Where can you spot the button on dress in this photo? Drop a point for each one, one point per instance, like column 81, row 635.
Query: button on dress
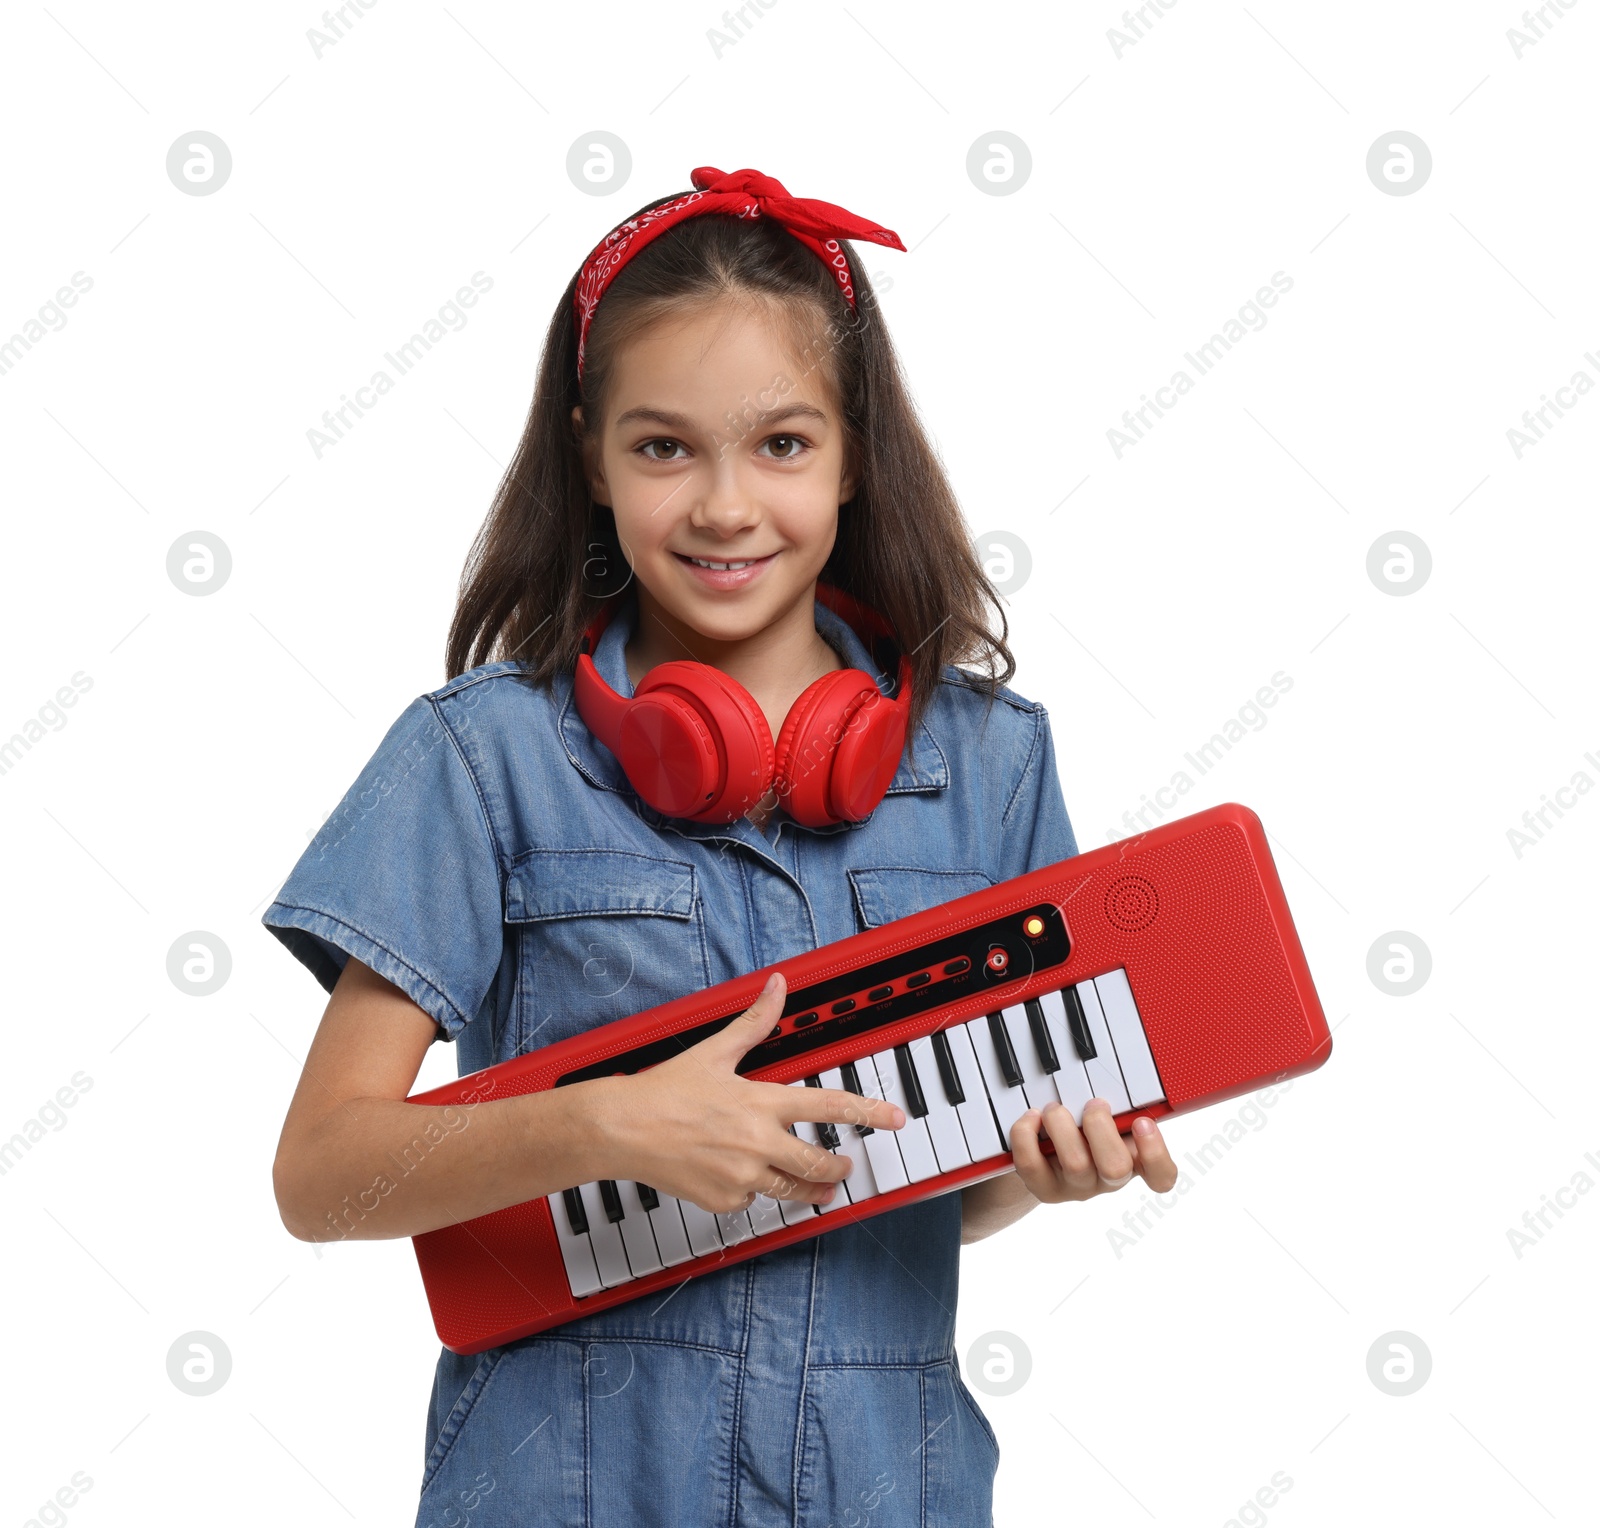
column 492, row 861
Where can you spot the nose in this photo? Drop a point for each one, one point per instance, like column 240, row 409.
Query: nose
column 724, row 506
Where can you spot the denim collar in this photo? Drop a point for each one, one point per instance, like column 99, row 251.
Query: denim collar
column 923, row 767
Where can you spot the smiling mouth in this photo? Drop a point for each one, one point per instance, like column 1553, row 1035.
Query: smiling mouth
column 723, row 567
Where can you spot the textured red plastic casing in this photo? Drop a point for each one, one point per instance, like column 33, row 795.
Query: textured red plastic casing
column 1193, row 910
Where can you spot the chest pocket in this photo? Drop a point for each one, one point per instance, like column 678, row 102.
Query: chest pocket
column 886, row 892
column 601, row 934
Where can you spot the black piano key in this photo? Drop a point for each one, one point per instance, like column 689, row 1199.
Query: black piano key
column 611, row 1199
column 825, row 1132
column 1077, row 1024
column 1003, row 1051
column 648, row 1197
column 953, row 1091
column 916, row 1104
column 1042, row 1043
column 575, row 1216
column 852, row 1084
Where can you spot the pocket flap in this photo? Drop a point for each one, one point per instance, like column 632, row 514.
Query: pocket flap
column 577, row 883
column 886, row 892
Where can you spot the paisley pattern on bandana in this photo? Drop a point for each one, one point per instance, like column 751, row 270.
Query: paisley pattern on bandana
column 745, row 194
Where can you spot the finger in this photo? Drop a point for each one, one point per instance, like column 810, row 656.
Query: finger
column 809, row 1163
column 756, row 1022
column 806, row 1171
column 834, row 1106
column 1112, row 1159
column 1074, row 1161
column 1153, row 1160
column 785, row 1185
column 1039, row 1176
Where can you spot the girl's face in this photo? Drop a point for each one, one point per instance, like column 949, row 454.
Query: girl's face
column 723, row 460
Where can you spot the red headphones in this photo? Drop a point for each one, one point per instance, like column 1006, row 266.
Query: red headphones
column 694, row 743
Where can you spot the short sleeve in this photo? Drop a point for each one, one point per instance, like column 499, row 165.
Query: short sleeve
column 403, row 875
column 1035, row 830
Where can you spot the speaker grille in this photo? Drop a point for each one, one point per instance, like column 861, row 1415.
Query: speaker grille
column 1132, row 904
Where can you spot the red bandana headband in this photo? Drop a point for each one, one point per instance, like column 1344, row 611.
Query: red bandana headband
column 746, row 194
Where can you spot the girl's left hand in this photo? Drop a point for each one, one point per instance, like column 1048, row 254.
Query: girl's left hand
column 1093, row 1160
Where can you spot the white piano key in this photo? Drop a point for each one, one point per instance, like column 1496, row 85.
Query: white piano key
column 733, row 1226
column 797, row 1211
column 701, row 1227
column 883, row 1150
column 1010, row 1104
column 576, row 1255
column 638, row 1237
column 766, row 1214
column 1072, row 1082
column 977, row 1118
column 944, row 1126
column 610, row 1258
column 1105, row 1076
column 916, row 1146
column 1128, row 1036
column 860, row 1184
column 672, row 1237
column 1038, row 1084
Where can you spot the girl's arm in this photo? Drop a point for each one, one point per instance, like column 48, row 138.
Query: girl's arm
column 1093, row 1160
column 356, row 1160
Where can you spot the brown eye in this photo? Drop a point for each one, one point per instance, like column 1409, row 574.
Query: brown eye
column 784, row 445
column 661, row 450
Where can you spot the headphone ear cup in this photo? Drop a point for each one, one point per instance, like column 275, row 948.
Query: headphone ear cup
column 807, row 754
column 869, row 754
column 738, row 731
column 668, row 753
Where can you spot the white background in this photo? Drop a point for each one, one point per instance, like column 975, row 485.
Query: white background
column 1171, row 177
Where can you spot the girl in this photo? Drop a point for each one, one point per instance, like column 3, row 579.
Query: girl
column 720, row 453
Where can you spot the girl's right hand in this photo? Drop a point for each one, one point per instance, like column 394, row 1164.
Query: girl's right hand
column 693, row 1128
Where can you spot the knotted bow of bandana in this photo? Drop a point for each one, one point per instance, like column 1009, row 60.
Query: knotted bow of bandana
column 746, row 194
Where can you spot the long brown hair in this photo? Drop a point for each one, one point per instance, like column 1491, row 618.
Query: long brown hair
column 547, row 558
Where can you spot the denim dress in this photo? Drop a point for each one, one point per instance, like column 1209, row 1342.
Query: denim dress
column 493, row 862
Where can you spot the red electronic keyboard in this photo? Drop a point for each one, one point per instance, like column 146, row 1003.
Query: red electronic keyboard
column 1161, row 973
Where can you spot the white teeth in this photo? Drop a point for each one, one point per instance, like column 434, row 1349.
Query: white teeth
column 721, row 567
